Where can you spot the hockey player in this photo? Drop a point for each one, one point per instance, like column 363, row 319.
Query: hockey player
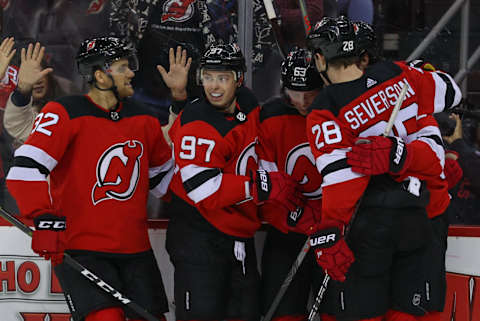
column 216, row 190
column 365, row 158
column 391, row 230
column 103, row 153
column 283, row 145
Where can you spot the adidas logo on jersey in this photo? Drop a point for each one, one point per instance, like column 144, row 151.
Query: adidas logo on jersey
column 371, row 82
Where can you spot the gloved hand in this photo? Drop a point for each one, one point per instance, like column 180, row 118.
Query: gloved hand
column 46, row 240
column 278, row 188
column 379, row 155
column 331, row 250
column 453, row 172
column 305, row 221
column 420, row 63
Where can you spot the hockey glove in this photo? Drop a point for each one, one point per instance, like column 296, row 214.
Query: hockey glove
column 46, row 237
column 379, row 155
column 421, row 64
column 331, row 250
column 305, row 221
column 453, row 172
column 277, row 188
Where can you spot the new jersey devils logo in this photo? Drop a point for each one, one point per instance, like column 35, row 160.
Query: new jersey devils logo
column 118, row 171
column 178, row 10
column 96, row 6
column 300, row 164
column 247, row 161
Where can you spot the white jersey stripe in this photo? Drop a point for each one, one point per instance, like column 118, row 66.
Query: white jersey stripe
column 204, row 190
column 37, row 155
column 337, row 154
column 440, row 93
column 26, row 174
column 340, row 176
column 268, row 166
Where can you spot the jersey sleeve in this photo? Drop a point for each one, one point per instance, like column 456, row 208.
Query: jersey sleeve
column 437, row 90
column 428, row 154
column 201, row 155
column 329, row 142
column 161, row 165
column 34, row 160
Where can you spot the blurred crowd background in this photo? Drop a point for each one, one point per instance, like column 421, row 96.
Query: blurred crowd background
column 153, row 26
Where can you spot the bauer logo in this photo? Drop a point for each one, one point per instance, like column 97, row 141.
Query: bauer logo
column 118, row 172
column 323, row 239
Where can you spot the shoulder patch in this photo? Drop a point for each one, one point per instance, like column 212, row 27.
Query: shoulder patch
column 200, row 110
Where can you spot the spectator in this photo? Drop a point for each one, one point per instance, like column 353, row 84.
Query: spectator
column 356, row 10
column 155, row 27
column 35, row 87
column 465, row 203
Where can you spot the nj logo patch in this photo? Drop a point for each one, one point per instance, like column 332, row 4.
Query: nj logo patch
column 118, row 171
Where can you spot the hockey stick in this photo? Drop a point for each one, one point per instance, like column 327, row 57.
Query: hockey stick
column 388, row 129
column 85, row 272
column 288, row 279
column 275, row 22
column 306, row 21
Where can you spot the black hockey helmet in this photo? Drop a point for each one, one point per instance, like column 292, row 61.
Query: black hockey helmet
column 224, row 57
column 298, row 73
column 333, row 38
column 367, row 41
column 100, row 53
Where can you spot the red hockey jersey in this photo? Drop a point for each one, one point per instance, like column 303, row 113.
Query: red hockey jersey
column 214, row 156
column 101, row 166
column 342, row 112
column 283, row 146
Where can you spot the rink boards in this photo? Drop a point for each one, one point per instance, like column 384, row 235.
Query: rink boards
column 29, row 290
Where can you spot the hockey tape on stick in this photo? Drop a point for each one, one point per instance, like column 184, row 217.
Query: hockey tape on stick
column 306, row 21
column 288, row 279
column 84, row 271
column 275, row 23
column 395, row 110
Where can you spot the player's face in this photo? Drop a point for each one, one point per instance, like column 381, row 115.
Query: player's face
column 220, row 87
column 122, row 76
column 40, row 89
column 301, row 100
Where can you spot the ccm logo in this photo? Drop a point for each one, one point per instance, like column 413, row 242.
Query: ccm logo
column 399, row 151
column 263, row 180
column 51, row 225
column 324, row 239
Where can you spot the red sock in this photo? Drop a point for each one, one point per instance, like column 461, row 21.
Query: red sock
column 291, row 318
column 394, row 315
column 109, row 314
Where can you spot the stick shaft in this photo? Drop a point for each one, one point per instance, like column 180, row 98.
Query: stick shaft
column 288, row 279
column 85, row 272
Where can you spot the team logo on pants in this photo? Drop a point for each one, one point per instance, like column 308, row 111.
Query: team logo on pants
column 118, row 171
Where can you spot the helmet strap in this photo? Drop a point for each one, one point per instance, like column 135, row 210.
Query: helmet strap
column 113, row 87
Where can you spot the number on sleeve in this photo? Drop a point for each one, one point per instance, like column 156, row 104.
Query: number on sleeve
column 40, row 126
column 331, row 133
column 188, row 147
